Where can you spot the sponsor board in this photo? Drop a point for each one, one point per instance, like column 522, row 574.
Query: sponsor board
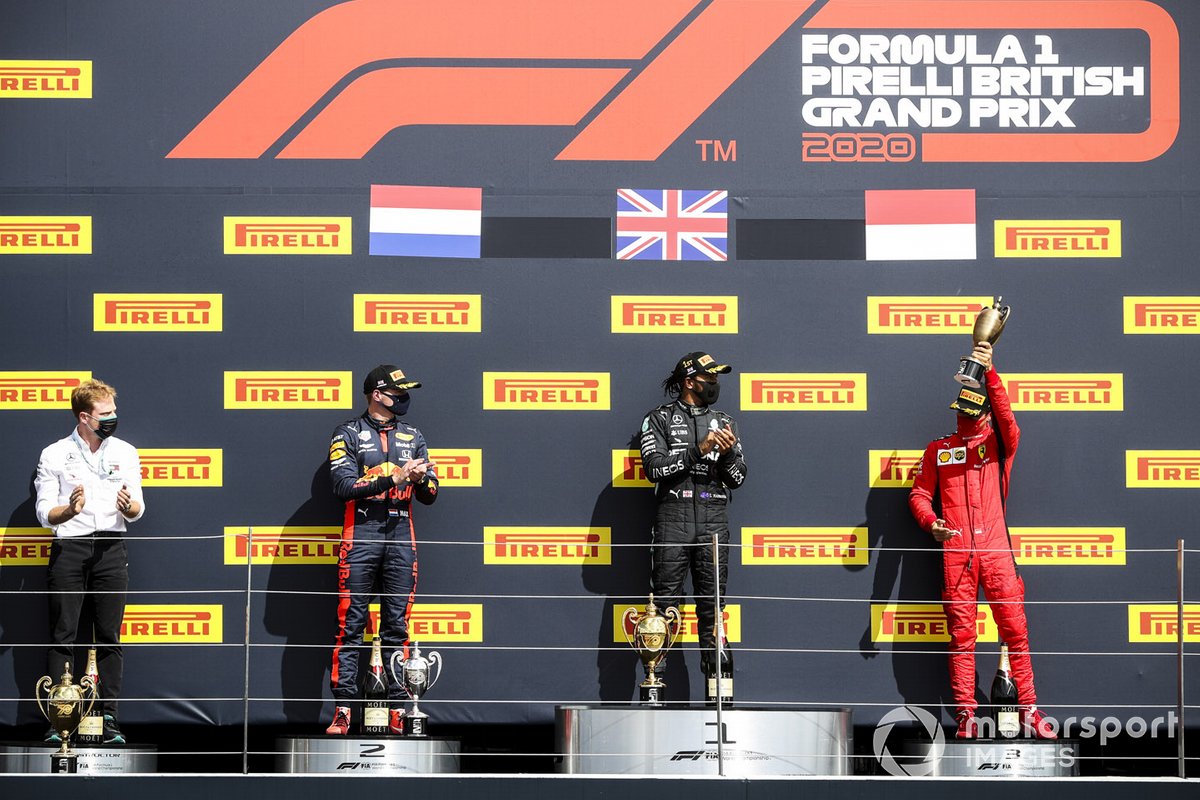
column 418, row 313
column 436, row 622
column 1077, row 547
column 25, row 547
column 287, row 236
column 1160, row 623
column 923, row 622
column 157, row 312
column 36, row 390
column 195, row 467
column 804, row 391
column 46, row 236
column 546, row 391
column 284, row 389
column 46, row 79
column 924, row 315
column 171, row 624
column 672, row 314
column 1058, row 238
column 282, row 544
column 690, row 626
column 547, row 545
column 1162, row 315
column 628, row 472
column 1162, row 469
column 1066, row 391
column 892, row 469
column 458, row 466
column 810, row 545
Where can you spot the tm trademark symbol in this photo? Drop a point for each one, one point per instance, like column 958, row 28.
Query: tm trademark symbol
column 721, row 151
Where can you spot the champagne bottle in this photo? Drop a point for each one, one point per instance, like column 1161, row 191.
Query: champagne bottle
column 1004, row 699
column 375, row 693
column 91, row 727
column 722, row 675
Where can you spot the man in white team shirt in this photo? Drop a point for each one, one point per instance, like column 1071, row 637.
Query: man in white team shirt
column 89, row 485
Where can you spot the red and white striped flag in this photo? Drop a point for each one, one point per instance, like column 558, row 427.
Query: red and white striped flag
column 920, row 225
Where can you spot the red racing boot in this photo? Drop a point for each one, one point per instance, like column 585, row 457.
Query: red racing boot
column 341, row 722
column 1035, row 724
column 968, row 725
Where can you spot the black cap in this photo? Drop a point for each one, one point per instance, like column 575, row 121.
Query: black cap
column 388, row 376
column 697, row 362
column 971, row 402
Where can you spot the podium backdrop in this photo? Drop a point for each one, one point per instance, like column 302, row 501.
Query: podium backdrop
column 231, row 211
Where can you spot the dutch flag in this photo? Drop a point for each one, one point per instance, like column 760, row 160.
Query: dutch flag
column 434, row 221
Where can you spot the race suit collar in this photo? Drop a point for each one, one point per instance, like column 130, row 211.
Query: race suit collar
column 972, row 427
column 695, row 411
column 377, row 425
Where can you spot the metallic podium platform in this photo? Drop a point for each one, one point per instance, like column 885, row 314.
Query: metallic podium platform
column 994, row 758
column 630, row 740
column 102, row 759
column 380, row 755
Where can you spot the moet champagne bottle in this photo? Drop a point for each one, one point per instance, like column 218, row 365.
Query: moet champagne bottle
column 375, row 694
column 91, row 727
column 1004, row 699
column 722, row 674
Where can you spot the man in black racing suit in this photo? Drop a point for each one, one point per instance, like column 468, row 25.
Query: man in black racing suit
column 378, row 464
column 692, row 454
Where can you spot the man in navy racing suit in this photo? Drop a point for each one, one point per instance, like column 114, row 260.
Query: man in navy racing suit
column 377, row 463
column 691, row 453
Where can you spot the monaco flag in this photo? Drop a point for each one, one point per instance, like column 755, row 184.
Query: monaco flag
column 920, row 225
column 437, row 221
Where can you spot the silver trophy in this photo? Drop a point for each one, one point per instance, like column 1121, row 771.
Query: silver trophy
column 414, row 677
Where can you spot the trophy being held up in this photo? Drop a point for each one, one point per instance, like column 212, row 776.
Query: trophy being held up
column 414, row 677
column 652, row 636
column 988, row 327
column 65, row 705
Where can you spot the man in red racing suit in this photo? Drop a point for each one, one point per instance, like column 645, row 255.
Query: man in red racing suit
column 968, row 473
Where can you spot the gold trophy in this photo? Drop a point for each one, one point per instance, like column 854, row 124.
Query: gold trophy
column 64, row 707
column 988, row 327
column 652, row 637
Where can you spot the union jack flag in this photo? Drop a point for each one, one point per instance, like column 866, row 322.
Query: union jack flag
column 672, row 224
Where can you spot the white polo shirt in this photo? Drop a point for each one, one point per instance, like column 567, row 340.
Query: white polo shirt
column 69, row 463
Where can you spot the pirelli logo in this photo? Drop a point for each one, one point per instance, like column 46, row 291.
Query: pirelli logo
column 51, row 80
column 32, row 390
column 892, row 469
column 547, row 545
column 1162, row 469
column 1058, row 238
column 418, row 313
column 1066, row 392
column 924, row 314
column 274, row 544
column 813, row 391
column 181, row 467
column 1073, row 547
column 1162, row 315
column 546, row 391
column 171, row 624
column 156, row 312
column 288, row 390
column 816, row 546
column 458, row 467
column 436, row 622
column 25, row 547
column 46, row 236
column 923, row 622
column 669, row 314
column 689, row 625
column 287, row 236
column 1160, row 623
column 628, row 472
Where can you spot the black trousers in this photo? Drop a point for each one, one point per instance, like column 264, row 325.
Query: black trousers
column 89, row 569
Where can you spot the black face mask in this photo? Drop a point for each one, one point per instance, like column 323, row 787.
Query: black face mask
column 107, row 426
column 399, row 404
column 707, row 392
